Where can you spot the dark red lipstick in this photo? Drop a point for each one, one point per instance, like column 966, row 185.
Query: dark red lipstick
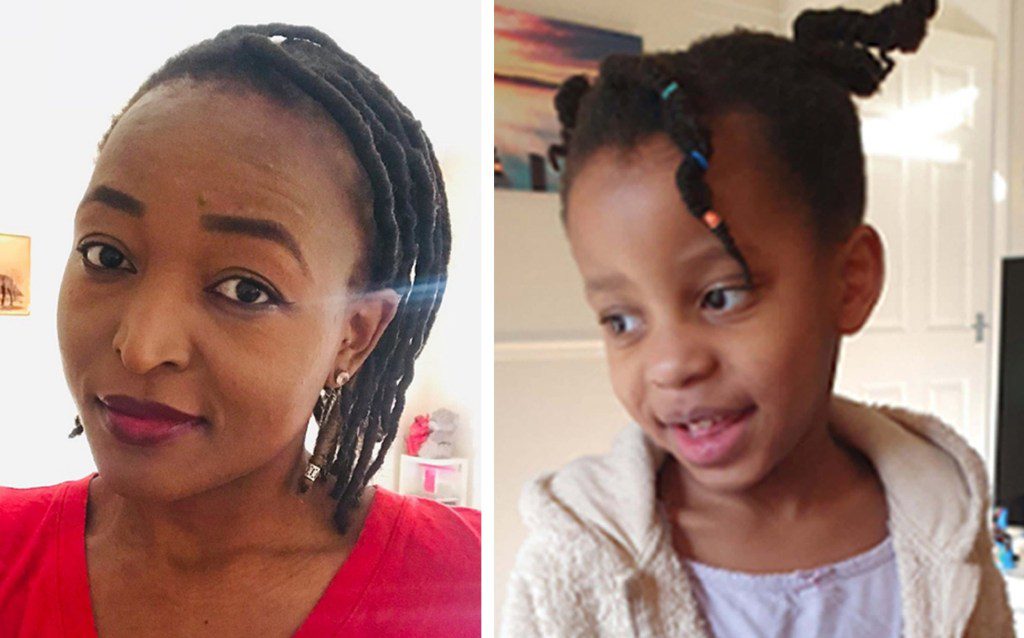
column 145, row 423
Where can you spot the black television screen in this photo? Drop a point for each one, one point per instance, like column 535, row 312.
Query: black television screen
column 1010, row 412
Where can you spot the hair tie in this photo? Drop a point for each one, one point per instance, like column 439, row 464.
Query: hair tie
column 700, row 159
column 669, row 90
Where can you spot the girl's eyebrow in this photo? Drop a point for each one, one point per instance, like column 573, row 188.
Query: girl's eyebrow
column 253, row 227
column 710, row 252
column 609, row 283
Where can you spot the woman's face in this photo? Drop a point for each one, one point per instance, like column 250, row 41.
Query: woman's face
column 727, row 379
column 212, row 253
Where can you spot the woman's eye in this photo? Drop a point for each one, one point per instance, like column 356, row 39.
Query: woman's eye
column 104, row 257
column 246, row 292
column 621, row 324
column 724, row 299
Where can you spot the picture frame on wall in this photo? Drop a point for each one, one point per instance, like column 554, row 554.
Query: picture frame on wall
column 532, row 57
column 15, row 262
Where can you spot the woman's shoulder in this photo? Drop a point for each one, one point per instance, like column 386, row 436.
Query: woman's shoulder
column 22, row 507
column 422, row 535
column 422, row 520
column 31, row 518
column 415, row 540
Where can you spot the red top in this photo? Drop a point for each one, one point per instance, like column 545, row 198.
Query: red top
column 414, row 570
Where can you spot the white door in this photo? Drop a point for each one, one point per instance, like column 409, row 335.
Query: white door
column 929, row 141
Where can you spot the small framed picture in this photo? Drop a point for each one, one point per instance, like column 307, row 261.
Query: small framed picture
column 15, row 256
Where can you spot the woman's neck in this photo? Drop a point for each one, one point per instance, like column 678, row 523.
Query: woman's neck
column 257, row 513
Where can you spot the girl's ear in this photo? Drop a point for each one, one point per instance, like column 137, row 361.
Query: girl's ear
column 367, row 317
column 862, row 276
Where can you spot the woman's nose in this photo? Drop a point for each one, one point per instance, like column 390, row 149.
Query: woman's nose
column 678, row 356
column 152, row 330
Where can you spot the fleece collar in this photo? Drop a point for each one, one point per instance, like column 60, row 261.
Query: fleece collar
column 936, row 492
column 934, row 483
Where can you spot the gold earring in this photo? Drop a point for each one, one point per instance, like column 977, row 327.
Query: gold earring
column 342, row 377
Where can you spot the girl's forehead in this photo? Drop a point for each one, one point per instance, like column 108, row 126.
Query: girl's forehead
column 627, row 200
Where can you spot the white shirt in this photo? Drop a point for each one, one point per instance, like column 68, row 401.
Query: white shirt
column 853, row 598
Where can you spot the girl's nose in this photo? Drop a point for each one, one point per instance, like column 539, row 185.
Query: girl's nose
column 678, row 357
column 152, row 330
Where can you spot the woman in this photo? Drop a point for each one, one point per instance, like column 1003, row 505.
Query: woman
column 265, row 219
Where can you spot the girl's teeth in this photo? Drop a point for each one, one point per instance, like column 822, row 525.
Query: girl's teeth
column 700, row 426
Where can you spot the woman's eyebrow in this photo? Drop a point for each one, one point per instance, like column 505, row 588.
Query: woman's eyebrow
column 115, row 199
column 253, row 227
column 260, row 228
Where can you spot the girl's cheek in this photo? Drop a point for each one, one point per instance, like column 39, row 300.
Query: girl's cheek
column 627, row 383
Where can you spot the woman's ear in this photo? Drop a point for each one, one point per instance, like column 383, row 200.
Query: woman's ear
column 367, row 317
column 862, row 277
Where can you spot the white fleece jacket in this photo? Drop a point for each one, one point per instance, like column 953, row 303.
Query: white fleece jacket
column 599, row 561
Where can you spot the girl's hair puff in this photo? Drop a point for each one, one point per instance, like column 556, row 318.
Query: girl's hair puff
column 798, row 89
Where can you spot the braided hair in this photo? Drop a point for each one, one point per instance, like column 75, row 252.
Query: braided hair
column 408, row 231
column 798, row 89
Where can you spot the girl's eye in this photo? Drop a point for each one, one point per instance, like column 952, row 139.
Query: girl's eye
column 247, row 292
column 620, row 325
column 724, row 299
column 104, row 257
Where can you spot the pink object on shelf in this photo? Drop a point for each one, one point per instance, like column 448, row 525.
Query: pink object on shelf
column 430, row 472
column 418, row 433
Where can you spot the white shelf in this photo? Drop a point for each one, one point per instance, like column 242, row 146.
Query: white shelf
column 443, row 480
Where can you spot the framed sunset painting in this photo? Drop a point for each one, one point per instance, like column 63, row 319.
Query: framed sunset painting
column 532, row 56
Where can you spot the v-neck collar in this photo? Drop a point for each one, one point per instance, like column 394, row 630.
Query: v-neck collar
column 336, row 605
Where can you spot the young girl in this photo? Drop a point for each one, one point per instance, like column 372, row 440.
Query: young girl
column 265, row 237
column 713, row 200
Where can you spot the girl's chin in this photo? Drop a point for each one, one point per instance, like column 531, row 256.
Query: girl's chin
column 734, row 479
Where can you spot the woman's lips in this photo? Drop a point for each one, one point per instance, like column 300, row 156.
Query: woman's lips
column 145, row 409
column 155, row 427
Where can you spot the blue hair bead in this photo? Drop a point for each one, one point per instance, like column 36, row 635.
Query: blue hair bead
column 669, row 90
column 700, row 159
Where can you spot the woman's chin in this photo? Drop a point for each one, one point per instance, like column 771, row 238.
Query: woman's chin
column 147, row 483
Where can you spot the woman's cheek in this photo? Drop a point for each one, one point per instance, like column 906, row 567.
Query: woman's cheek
column 76, row 331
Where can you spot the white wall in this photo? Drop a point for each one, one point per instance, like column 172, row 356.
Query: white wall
column 68, row 67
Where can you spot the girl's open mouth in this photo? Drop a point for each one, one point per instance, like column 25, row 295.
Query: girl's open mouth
column 710, row 441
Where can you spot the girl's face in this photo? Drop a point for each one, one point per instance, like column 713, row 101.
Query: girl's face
column 212, row 253
column 689, row 346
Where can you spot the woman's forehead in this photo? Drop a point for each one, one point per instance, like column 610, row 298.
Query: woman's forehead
column 210, row 143
column 200, row 160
